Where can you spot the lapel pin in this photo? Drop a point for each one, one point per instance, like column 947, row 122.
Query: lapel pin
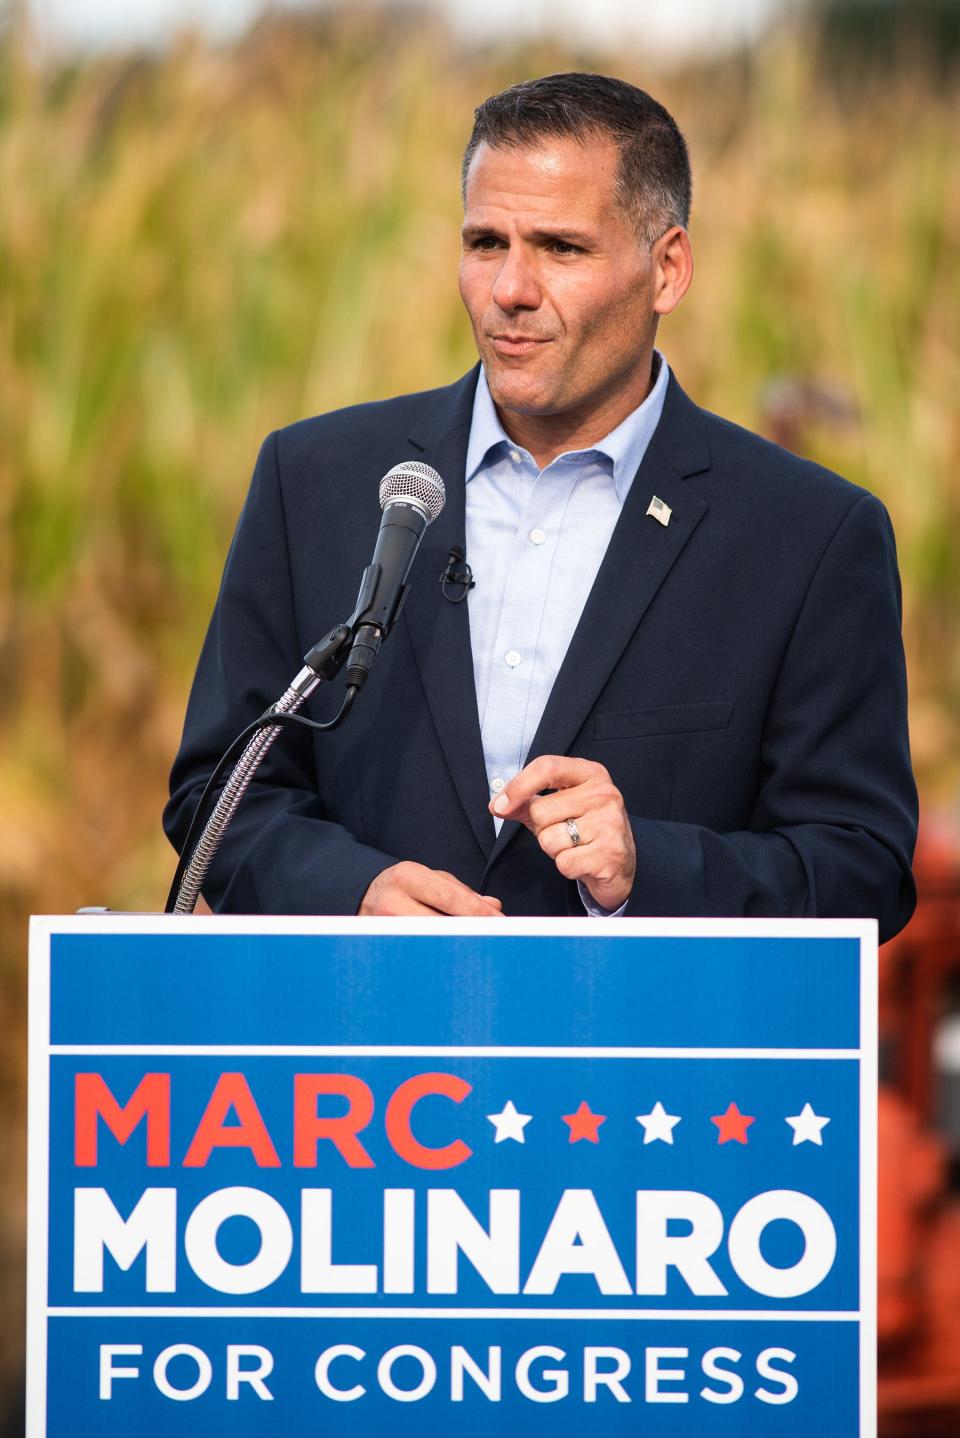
column 659, row 510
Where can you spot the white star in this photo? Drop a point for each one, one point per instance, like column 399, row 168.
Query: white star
column 658, row 1124
column 509, row 1123
column 807, row 1126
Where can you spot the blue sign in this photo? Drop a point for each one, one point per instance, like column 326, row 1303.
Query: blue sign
column 552, row 1177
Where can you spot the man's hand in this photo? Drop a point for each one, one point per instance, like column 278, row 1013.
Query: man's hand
column 606, row 859
column 410, row 888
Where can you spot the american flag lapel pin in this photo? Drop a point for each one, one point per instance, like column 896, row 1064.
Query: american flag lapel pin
column 659, row 510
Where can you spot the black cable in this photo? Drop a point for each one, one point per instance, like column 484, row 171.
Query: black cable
column 267, row 720
column 283, row 719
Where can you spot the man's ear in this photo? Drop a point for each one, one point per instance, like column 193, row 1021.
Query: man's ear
column 673, row 269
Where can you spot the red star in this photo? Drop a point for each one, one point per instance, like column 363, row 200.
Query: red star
column 733, row 1124
column 584, row 1123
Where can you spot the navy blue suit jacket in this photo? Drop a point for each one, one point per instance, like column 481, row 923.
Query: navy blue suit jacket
column 739, row 672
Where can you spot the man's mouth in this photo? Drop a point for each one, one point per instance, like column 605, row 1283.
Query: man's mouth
column 507, row 344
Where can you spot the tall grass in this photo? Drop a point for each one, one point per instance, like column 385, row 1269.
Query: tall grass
column 199, row 247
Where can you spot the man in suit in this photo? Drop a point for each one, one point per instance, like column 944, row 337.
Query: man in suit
column 677, row 686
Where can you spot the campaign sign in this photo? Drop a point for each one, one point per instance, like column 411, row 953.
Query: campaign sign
column 492, row 1177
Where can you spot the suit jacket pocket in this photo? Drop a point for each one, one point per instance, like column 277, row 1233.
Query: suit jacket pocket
column 667, row 719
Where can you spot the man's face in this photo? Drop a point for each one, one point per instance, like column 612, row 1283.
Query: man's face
column 558, row 287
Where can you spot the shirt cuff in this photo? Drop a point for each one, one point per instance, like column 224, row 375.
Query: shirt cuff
column 594, row 911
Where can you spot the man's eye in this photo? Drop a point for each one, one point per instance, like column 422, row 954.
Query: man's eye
column 564, row 247
column 485, row 242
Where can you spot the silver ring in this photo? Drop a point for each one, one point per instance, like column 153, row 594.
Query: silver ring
column 574, row 832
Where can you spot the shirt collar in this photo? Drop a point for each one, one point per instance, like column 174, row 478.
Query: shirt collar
column 624, row 446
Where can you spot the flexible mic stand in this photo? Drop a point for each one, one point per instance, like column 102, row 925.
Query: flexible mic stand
column 324, row 661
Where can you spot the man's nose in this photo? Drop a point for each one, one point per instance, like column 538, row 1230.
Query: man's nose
column 517, row 285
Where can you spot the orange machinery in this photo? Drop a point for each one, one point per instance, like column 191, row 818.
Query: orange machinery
column 919, row 1219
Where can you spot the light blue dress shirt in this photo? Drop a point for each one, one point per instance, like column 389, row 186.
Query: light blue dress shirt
column 535, row 541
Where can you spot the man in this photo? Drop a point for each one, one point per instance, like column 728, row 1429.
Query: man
column 677, row 686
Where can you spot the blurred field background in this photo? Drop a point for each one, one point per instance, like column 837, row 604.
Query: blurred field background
column 200, row 244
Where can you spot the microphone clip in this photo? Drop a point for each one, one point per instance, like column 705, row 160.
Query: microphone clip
column 453, row 579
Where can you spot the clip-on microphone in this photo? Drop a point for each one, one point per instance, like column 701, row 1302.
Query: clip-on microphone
column 453, row 578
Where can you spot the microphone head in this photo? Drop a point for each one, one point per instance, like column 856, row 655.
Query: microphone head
column 416, row 484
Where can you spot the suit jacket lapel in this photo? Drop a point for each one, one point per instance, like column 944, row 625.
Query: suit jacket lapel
column 439, row 629
column 639, row 557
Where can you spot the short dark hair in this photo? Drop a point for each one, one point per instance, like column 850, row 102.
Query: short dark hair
column 654, row 183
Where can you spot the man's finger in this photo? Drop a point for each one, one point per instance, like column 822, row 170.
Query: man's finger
column 393, row 900
column 579, row 863
column 403, row 907
column 411, row 889
column 549, row 771
column 448, row 895
column 549, row 809
column 555, row 838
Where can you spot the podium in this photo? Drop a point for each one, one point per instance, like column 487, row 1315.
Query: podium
column 400, row 1177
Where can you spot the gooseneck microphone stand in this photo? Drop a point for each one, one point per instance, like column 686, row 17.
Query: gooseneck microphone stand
column 323, row 662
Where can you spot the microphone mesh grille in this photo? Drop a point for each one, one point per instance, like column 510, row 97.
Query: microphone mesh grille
column 414, row 481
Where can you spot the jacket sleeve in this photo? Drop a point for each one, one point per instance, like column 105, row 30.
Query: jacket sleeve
column 833, row 826
column 280, row 854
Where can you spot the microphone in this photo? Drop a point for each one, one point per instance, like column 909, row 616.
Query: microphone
column 411, row 497
column 453, row 578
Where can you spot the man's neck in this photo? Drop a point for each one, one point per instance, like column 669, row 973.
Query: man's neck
column 545, row 436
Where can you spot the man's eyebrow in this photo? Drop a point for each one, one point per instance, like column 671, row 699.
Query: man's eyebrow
column 472, row 232
column 568, row 237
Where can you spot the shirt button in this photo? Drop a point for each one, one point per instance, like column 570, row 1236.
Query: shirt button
column 513, row 658
column 496, row 784
column 537, row 536
column 515, row 456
